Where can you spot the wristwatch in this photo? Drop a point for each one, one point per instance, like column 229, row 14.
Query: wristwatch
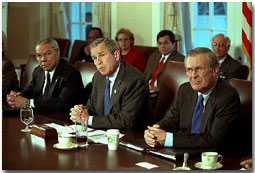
column 27, row 102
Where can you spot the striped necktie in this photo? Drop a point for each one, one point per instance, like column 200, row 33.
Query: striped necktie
column 107, row 97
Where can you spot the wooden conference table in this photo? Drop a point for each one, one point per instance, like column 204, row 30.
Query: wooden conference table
column 23, row 151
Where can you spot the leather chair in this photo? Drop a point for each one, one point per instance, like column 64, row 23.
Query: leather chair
column 76, row 49
column 173, row 76
column 87, row 70
column 244, row 88
column 28, row 68
column 147, row 50
column 247, row 71
column 64, row 45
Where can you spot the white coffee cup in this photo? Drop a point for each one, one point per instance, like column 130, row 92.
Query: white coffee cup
column 210, row 158
column 113, row 139
column 64, row 139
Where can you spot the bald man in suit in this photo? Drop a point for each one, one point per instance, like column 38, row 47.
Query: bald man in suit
column 65, row 87
column 129, row 106
column 229, row 67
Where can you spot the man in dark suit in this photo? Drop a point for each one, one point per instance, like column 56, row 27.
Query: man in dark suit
column 229, row 67
column 205, row 112
column 56, row 85
column 128, row 106
column 158, row 60
column 84, row 53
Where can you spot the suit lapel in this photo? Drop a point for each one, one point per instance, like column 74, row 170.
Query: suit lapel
column 189, row 109
column 56, row 77
column 116, row 86
column 40, row 82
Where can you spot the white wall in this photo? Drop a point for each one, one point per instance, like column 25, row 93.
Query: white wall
column 235, row 29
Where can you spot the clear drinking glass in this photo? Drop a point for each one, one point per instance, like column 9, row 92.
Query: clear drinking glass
column 82, row 134
column 27, row 117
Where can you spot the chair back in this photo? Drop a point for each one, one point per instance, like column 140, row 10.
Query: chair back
column 64, row 45
column 28, row 70
column 244, row 88
column 87, row 70
column 76, row 49
column 173, row 76
column 246, row 71
column 147, row 50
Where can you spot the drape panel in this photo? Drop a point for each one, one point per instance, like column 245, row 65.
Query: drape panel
column 172, row 21
column 103, row 12
column 53, row 20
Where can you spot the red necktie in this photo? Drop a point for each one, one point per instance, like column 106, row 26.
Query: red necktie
column 154, row 77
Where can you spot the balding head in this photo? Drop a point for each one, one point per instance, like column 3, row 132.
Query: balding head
column 220, row 45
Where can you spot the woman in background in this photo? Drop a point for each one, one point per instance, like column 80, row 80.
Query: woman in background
column 9, row 76
column 130, row 54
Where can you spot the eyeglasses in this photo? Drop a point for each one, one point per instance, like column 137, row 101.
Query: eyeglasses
column 198, row 70
column 47, row 54
column 125, row 40
column 220, row 44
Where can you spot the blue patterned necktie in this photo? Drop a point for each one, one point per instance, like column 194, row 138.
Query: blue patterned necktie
column 107, row 97
column 197, row 115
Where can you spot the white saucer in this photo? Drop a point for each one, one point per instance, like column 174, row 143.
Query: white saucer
column 200, row 165
column 61, row 147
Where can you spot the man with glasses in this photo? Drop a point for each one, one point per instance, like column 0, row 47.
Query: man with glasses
column 56, row 85
column 205, row 112
column 229, row 67
column 158, row 60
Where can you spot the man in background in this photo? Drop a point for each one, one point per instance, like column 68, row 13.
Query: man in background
column 120, row 93
column 56, row 84
column 84, row 53
column 158, row 60
column 229, row 67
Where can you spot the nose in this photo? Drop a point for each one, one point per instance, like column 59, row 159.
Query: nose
column 43, row 58
column 99, row 60
column 194, row 74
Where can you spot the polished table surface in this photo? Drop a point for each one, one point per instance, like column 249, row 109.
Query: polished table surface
column 23, row 151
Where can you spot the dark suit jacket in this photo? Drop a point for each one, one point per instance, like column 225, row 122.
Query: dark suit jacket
column 153, row 62
column 221, row 123
column 9, row 78
column 66, row 88
column 231, row 68
column 129, row 105
column 83, row 56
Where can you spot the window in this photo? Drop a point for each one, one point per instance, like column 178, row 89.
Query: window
column 209, row 19
column 79, row 19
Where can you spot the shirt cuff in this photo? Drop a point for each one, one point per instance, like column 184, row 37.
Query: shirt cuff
column 32, row 103
column 90, row 120
column 169, row 140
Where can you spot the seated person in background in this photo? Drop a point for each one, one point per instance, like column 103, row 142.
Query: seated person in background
column 157, row 61
column 9, row 76
column 205, row 112
column 130, row 54
column 120, row 94
column 84, row 53
column 247, row 164
column 56, row 84
column 229, row 67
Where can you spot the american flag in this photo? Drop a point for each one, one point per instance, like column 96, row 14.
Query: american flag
column 247, row 31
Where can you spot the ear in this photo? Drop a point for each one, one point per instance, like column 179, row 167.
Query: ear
column 58, row 52
column 215, row 70
column 117, row 55
column 174, row 44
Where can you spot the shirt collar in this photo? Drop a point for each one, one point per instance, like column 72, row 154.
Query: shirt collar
column 114, row 75
column 222, row 60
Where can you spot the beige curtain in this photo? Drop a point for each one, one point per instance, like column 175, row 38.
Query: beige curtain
column 103, row 12
column 53, row 20
column 172, row 21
